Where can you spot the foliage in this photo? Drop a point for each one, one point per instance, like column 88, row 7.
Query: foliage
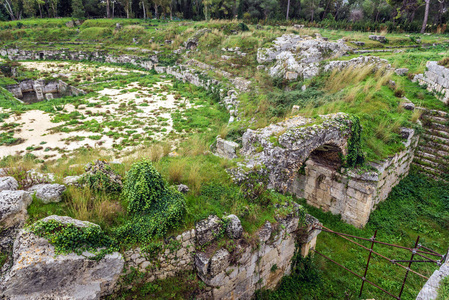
column 153, row 205
column 355, row 155
column 443, row 292
column 68, row 238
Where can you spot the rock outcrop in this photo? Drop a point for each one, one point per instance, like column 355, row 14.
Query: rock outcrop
column 48, row 193
column 299, row 57
column 38, row 273
column 8, row 183
column 13, row 213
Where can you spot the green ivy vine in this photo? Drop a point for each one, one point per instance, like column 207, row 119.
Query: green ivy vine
column 68, row 238
column 355, row 155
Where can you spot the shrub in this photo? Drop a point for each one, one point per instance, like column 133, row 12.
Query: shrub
column 154, row 206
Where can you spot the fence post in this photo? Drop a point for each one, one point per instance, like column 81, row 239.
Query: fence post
column 367, row 263
column 409, row 265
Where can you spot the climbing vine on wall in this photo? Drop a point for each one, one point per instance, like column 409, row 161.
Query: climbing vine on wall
column 355, row 155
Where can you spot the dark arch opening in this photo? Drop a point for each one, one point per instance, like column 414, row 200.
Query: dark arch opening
column 328, row 155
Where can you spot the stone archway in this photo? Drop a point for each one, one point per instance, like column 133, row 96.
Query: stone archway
column 284, row 147
column 303, row 156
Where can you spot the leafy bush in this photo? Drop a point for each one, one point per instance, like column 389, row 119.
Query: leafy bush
column 154, row 206
column 69, row 238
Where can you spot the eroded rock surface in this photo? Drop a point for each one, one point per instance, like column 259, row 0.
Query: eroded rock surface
column 13, row 213
column 8, row 183
column 299, row 57
column 48, row 192
column 38, row 273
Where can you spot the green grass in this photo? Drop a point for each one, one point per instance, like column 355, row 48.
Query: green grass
column 443, row 292
column 417, row 206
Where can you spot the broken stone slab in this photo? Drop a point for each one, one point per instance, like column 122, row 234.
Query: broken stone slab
column 407, row 104
column 401, row 71
column 358, row 43
column 379, row 38
column 226, row 149
column 208, row 229
column 38, row 273
column 48, row 192
column 72, row 180
column 8, row 183
column 234, row 227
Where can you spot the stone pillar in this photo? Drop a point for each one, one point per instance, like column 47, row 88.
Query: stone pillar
column 309, row 237
column 39, row 92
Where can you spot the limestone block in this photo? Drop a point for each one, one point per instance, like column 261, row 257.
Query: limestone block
column 219, row 262
column 207, row 230
column 234, row 227
column 8, row 183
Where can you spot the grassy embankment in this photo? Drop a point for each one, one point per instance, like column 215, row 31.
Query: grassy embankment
column 368, row 95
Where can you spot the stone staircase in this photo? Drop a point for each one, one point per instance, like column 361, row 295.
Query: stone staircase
column 432, row 154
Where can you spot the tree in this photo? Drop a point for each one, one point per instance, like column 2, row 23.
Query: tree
column 9, row 7
column 311, row 8
column 127, row 6
column 77, row 9
column 288, row 9
column 426, row 15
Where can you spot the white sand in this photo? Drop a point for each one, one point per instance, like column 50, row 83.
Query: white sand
column 40, row 123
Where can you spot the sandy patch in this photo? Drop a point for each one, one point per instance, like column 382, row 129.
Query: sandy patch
column 148, row 116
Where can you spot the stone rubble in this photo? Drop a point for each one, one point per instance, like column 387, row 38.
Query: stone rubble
column 436, row 80
column 297, row 56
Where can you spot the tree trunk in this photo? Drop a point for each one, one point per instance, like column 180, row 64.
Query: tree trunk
column 9, row 10
column 155, row 10
column 288, row 9
column 144, row 10
column 426, row 15
column 108, row 9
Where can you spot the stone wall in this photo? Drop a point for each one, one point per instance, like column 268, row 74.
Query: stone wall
column 146, row 62
column 30, row 91
column 437, row 80
column 252, row 264
column 353, row 195
column 282, row 148
column 430, row 289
